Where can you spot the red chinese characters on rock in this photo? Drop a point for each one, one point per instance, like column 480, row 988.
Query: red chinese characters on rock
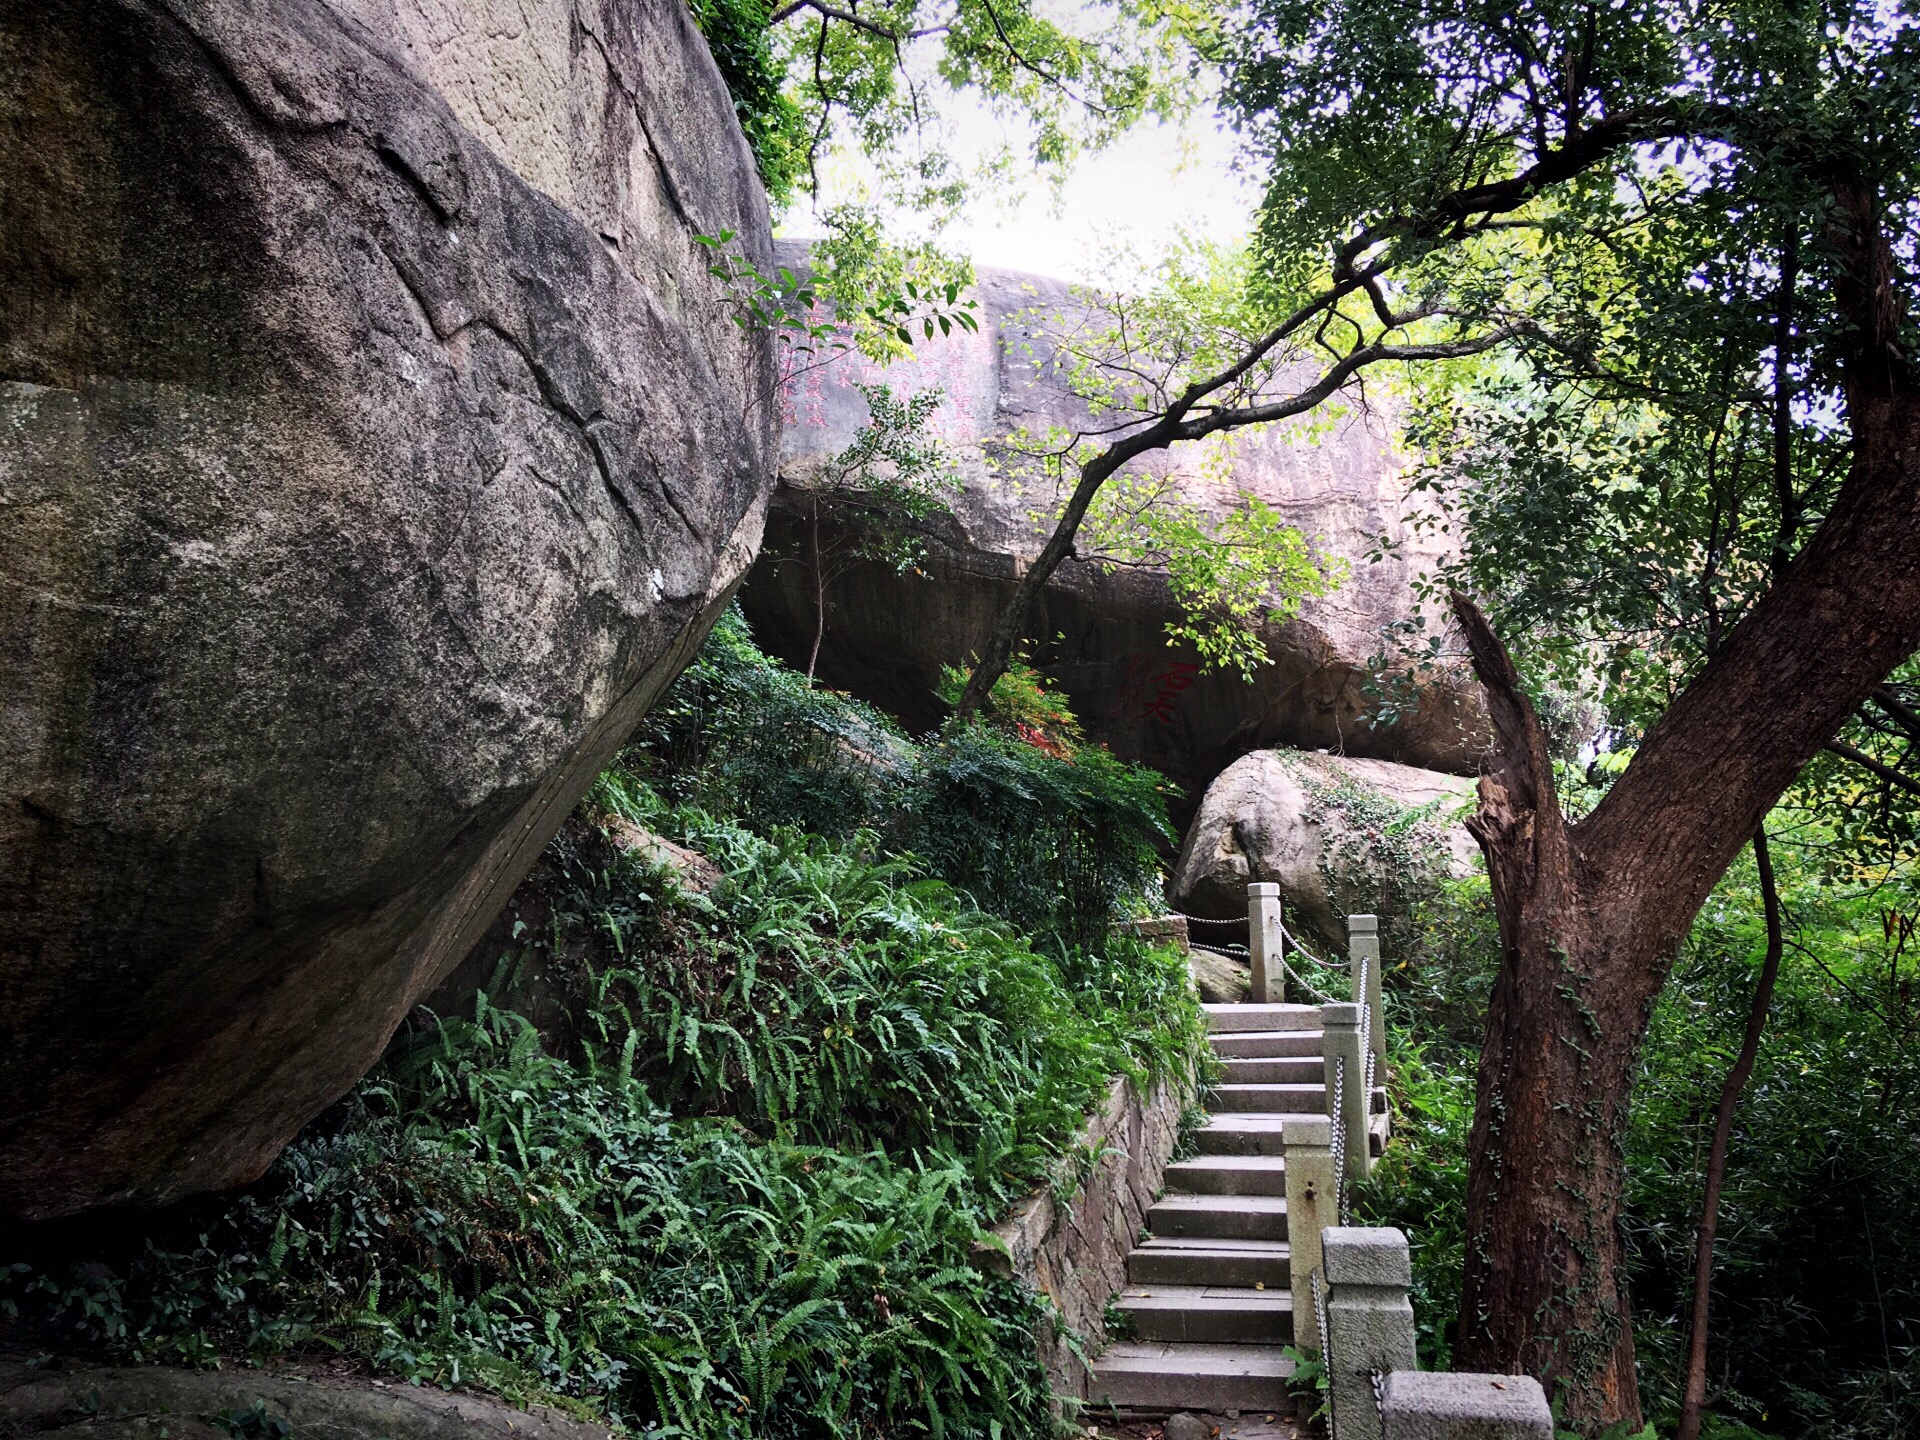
column 1154, row 694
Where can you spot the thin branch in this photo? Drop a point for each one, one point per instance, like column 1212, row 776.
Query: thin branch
column 1694, row 1399
column 1040, row 70
column 1897, row 710
column 847, row 17
column 1886, row 772
column 1212, row 421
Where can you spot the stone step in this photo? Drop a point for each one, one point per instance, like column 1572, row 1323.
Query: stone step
column 1219, row 1217
column 1270, row 1099
column 1208, row 1314
column 1160, row 1378
column 1264, row 1044
column 1228, row 1175
column 1175, row 1261
column 1234, row 1134
column 1230, row 1018
column 1291, row 1070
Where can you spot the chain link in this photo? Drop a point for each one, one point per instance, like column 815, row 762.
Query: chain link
column 1202, row 920
column 1326, row 1344
column 1339, row 1128
column 1240, row 952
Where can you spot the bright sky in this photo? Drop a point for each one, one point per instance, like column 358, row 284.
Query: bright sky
column 1155, row 180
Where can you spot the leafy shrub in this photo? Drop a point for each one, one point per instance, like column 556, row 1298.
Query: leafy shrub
column 741, row 41
column 1059, row 847
column 480, row 1211
column 743, row 736
column 865, row 1067
column 827, row 996
column 1056, row 840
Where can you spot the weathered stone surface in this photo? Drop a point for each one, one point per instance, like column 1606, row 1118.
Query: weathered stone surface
column 1366, row 1255
column 1423, row 1405
column 1220, row 979
column 888, row 633
column 1280, row 816
column 157, row 1402
column 1076, row 1252
column 374, row 446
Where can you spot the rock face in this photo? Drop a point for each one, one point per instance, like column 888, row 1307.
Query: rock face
column 1338, row 835
column 158, row 1402
column 374, row 446
column 888, row 634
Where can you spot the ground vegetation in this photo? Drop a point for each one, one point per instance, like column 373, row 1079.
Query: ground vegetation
column 1815, row 1317
column 742, row 1194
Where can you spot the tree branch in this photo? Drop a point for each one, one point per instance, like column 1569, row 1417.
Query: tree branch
column 1886, row 772
column 847, row 17
column 1040, row 70
column 1897, row 710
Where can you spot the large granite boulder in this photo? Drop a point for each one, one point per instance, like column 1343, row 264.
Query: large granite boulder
column 1339, row 835
column 888, row 632
column 374, row 446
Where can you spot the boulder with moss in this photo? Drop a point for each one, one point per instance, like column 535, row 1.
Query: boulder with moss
column 1338, row 834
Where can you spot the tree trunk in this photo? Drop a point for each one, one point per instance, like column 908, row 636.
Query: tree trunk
column 992, row 662
column 819, row 593
column 1693, row 1400
column 1590, row 914
column 1544, row 1289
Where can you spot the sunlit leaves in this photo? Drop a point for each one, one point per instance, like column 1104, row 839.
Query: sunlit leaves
column 1233, row 573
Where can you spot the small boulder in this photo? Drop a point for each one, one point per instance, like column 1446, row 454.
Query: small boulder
column 1339, row 836
column 1220, row 979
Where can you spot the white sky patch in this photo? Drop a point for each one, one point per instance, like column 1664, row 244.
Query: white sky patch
column 1155, row 181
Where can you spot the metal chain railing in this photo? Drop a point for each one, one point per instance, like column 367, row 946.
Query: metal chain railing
column 1326, row 1343
column 1238, row 922
column 1339, row 1132
column 1240, row 952
column 1294, row 941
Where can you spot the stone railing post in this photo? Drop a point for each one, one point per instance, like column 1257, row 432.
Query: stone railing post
column 1363, row 951
column 1313, row 1203
column 1346, row 1059
column 1268, row 985
column 1427, row 1405
column 1369, row 1322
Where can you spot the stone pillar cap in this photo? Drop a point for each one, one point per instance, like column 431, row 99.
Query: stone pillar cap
column 1263, row 887
column 1363, row 924
column 1427, row 1405
column 1366, row 1255
column 1340, row 1013
column 1307, row 1130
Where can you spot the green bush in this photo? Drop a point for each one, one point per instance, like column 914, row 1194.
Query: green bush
column 741, row 41
column 824, row 995
column 1058, row 846
column 864, row 1067
column 1816, row 1303
column 1056, row 842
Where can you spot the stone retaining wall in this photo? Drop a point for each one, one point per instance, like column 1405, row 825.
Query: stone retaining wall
column 1076, row 1253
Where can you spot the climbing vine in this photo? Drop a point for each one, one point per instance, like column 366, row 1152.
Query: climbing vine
column 1376, row 856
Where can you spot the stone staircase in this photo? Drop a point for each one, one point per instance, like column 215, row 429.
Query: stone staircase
column 1208, row 1290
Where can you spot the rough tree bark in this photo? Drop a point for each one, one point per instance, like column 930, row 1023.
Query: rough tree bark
column 1590, row 913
